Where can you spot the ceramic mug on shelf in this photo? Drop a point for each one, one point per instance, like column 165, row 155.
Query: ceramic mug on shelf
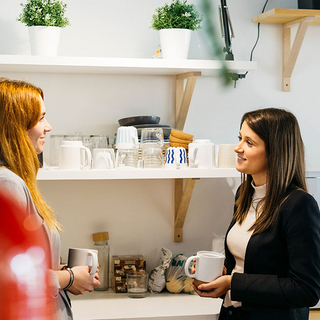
column 202, row 154
column 83, row 257
column 103, row 158
column 227, row 158
column 209, row 266
column 176, row 157
column 127, row 138
column 71, row 154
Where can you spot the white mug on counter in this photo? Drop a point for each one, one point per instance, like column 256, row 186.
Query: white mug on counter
column 70, row 155
column 83, row 257
column 202, row 154
column 209, row 265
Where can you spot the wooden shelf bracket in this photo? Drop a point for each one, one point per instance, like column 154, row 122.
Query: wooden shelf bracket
column 183, row 195
column 184, row 95
column 182, row 201
column 290, row 53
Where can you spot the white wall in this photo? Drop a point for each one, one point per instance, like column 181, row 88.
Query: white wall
column 139, row 214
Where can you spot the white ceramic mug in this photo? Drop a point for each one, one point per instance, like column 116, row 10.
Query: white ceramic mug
column 202, row 154
column 103, row 159
column 127, row 138
column 176, row 157
column 70, row 155
column 83, row 257
column 209, row 265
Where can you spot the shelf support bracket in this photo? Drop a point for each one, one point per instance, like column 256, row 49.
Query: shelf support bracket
column 182, row 201
column 183, row 195
column 184, row 95
column 290, row 53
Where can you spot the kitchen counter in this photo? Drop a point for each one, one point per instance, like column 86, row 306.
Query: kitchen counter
column 107, row 305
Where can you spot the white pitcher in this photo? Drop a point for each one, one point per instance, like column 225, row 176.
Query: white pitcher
column 70, row 155
column 202, row 154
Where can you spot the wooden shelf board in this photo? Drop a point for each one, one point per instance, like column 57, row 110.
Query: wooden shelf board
column 282, row 16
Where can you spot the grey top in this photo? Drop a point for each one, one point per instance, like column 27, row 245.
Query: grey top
column 19, row 190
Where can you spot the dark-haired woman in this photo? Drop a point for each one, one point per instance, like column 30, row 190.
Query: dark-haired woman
column 273, row 242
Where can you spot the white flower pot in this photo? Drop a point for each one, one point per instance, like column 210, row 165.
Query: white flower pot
column 44, row 41
column 175, row 43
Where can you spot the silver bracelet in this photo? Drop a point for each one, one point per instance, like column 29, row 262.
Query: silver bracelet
column 71, row 278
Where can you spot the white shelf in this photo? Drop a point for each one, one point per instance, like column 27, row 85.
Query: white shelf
column 123, row 174
column 140, row 174
column 125, row 66
column 108, row 305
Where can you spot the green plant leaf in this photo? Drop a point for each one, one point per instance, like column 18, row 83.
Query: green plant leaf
column 44, row 13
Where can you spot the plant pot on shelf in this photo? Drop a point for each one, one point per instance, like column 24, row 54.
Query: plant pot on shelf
column 44, row 41
column 175, row 43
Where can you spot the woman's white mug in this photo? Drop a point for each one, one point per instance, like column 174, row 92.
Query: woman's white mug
column 83, row 257
column 209, row 265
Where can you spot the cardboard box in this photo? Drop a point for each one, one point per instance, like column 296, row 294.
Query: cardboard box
column 120, row 266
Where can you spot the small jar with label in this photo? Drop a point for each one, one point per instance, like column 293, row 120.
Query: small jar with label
column 101, row 244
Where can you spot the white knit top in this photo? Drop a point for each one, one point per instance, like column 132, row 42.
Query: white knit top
column 239, row 236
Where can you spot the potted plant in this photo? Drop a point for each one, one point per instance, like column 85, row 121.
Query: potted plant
column 175, row 23
column 44, row 19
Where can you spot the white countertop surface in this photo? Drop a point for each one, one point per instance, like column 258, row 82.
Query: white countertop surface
column 108, row 305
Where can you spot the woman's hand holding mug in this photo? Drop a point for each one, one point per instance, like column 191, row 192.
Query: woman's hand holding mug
column 85, row 267
column 83, row 281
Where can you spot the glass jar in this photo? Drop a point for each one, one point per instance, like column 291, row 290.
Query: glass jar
column 101, row 244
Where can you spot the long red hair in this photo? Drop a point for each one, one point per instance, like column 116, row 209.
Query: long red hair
column 20, row 110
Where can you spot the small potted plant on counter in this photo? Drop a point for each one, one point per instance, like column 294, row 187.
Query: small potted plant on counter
column 175, row 23
column 44, row 19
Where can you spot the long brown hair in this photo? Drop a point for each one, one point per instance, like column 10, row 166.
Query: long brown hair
column 20, row 110
column 279, row 129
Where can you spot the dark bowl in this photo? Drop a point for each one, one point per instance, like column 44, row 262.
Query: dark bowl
column 131, row 121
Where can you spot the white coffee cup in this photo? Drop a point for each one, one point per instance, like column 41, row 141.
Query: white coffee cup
column 202, row 154
column 83, row 257
column 209, row 265
column 70, row 155
column 176, row 157
column 127, row 138
column 227, row 156
column 103, row 159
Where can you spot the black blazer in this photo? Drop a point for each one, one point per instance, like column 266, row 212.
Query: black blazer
column 281, row 278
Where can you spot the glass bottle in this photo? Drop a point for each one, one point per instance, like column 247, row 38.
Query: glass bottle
column 101, row 244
